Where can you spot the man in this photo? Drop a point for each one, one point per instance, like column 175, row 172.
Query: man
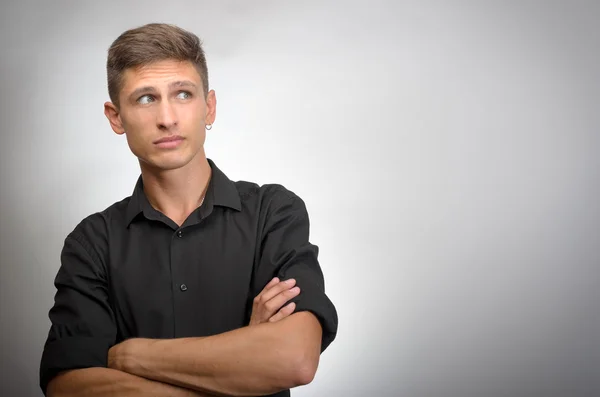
column 182, row 289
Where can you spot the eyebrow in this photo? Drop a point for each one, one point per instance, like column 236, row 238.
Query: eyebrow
column 149, row 89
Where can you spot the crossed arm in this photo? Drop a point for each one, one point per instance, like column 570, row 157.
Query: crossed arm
column 258, row 360
column 275, row 352
column 101, row 381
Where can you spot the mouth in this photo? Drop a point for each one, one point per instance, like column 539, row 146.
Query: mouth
column 169, row 142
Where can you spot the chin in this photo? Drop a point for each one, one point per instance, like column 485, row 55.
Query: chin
column 165, row 163
column 168, row 160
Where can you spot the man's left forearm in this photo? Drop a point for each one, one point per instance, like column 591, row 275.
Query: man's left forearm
column 256, row 360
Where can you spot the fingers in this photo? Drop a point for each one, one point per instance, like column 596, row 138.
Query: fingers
column 274, row 281
column 275, row 294
column 283, row 312
column 275, row 303
column 260, row 297
column 272, row 300
column 277, row 289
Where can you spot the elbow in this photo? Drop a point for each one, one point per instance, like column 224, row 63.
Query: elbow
column 304, row 370
column 55, row 387
column 291, row 370
column 305, row 374
column 61, row 385
column 303, row 347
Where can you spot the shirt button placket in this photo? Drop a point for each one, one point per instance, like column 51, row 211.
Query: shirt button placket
column 178, row 273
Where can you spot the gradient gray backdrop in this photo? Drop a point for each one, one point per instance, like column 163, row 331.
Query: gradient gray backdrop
column 447, row 152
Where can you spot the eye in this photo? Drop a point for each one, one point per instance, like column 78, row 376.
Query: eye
column 146, row 99
column 184, row 95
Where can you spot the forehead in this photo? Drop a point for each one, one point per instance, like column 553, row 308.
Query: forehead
column 159, row 73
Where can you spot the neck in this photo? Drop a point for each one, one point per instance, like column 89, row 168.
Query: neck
column 176, row 193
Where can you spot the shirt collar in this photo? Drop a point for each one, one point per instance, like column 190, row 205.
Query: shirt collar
column 221, row 191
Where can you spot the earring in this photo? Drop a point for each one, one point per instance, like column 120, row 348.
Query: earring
column 208, row 127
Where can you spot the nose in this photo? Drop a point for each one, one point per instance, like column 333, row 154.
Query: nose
column 167, row 117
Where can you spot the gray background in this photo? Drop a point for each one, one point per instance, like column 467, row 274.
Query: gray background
column 447, row 152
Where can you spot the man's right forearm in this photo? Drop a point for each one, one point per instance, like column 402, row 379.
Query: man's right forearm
column 104, row 382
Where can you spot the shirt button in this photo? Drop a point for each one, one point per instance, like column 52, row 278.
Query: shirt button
column 183, row 287
column 180, row 234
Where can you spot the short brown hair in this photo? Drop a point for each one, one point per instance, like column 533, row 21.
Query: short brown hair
column 151, row 43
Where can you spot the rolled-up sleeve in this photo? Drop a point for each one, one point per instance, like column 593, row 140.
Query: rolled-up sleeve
column 285, row 252
column 82, row 323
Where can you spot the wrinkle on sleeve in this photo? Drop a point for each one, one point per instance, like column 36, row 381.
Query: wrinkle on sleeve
column 286, row 252
column 82, row 326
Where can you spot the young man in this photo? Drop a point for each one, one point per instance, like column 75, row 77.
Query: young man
column 194, row 285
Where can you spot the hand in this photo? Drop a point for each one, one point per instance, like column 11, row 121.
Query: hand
column 113, row 356
column 120, row 355
column 267, row 306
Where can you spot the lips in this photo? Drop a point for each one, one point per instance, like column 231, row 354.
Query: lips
column 169, row 142
column 166, row 139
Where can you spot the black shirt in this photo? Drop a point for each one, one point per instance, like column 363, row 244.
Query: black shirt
column 130, row 271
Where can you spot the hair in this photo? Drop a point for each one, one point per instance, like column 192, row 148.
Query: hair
column 148, row 44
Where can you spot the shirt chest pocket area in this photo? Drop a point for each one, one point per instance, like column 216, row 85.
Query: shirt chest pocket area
column 189, row 287
column 142, row 290
column 213, row 285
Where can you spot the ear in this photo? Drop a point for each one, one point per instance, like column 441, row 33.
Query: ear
column 211, row 107
column 112, row 114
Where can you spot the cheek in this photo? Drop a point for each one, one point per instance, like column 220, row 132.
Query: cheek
column 135, row 143
column 195, row 110
column 136, row 127
column 192, row 118
column 136, row 122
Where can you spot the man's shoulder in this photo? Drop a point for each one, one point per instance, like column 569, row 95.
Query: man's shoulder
column 265, row 193
column 269, row 199
column 97, row 224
